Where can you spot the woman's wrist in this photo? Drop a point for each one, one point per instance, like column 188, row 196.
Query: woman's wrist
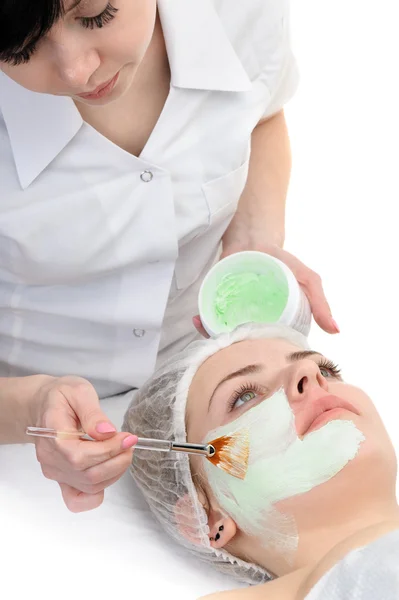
column 240, row 238
column 19, row 406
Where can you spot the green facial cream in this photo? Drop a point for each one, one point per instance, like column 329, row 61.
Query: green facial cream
column 245, row 297
column 281, row 465
column 252, row 287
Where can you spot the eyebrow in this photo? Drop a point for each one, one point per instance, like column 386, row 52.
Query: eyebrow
column 301, row 355
column 248, row 370
column 258, row 368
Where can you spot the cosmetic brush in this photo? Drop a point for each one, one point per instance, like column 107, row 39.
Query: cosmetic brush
column 229, row 452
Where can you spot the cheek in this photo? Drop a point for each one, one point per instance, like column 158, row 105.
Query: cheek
column 126, row 47
column 377, row 442
column 355, row 396
column 378, row 447
column 199, row 422
column 196, row 429
column 135, row 30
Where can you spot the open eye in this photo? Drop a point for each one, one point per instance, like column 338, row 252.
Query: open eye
column 329, row 369
column 245, row 397
column 245, row 393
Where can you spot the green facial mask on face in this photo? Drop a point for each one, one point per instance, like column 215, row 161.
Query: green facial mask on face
column 281, row 466
column 250, row 297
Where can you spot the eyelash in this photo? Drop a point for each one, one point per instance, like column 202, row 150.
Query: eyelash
column 108, row 14
column 101, row 20
column 328, row 365
column 244, row 389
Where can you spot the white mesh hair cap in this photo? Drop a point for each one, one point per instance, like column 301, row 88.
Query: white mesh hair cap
column 158, row 411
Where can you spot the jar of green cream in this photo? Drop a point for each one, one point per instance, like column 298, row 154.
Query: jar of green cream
column 252, row 287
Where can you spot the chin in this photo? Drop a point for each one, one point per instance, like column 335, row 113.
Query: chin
column 100, row 102
column 370, row 476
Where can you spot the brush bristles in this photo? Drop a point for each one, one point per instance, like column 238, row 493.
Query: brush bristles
column 232, row 453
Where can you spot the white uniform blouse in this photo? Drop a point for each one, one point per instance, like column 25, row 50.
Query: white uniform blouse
column 101, row 252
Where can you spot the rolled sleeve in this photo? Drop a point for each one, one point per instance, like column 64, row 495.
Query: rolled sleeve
column 287, row 82
column 286, row 89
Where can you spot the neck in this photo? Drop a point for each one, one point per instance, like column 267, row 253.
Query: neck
column 359, row 538
column 321, row 546
column 325, row 549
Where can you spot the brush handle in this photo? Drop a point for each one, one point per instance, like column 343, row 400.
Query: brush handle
column 143, row 443
column 153, row 444
column 167, row 446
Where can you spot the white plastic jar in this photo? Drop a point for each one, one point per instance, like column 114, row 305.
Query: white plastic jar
column 252, row 287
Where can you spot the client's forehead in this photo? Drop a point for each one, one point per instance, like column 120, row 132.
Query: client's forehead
column 272, row 352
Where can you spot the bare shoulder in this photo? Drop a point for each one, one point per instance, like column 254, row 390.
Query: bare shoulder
column 248, row 593
column 297, row 585
column 355, row 541
column 283, row 588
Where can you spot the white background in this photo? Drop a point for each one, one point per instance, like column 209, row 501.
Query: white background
column 343, row 208
column 341, row 221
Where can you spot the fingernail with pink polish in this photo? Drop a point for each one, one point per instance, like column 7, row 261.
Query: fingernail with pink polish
column 336, row 326
column 129, row 442
column 105, row 428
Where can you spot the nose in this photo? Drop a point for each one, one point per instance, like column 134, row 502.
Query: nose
column 76, row 71
column 75, row 61
column 304, row 380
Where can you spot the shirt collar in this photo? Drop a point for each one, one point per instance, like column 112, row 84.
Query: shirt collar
column 39, row 127
column 201, row 57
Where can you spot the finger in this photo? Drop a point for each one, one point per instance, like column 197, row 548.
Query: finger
column 110, row 470
column 94, row 479
column 81, row 455
column 199, row 327
column 77, row 501
column 100, row 487
column 84, row 400
column 292, row 262
column 81, row 483
column 313, row 289
column 82, row 487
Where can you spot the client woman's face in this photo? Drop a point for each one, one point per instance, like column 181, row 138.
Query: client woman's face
column 328, row 484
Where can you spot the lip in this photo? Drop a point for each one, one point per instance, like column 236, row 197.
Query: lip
column 102, row 90
column 323, row 410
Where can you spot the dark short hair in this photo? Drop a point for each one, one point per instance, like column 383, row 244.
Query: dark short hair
column 24, row 22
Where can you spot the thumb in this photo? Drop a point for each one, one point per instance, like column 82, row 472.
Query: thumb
column 199, row 326
column 77, row 501
column 94, row 421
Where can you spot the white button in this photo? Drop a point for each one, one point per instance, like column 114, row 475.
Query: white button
column 139, row 332
column 146, row 176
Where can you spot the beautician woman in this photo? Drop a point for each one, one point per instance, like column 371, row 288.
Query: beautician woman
column 125, row 135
